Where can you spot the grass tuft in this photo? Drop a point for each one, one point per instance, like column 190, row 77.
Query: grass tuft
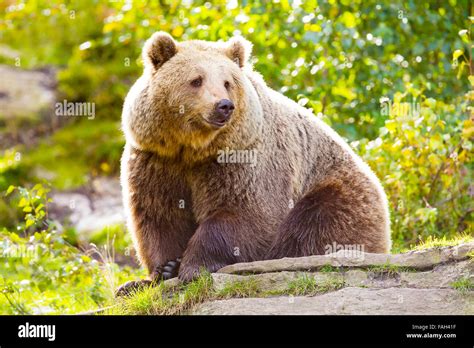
column 436, row 242
column 463, row 284
column 240, row 289
column 329, row 269
column 164, row 299
column 174, row 300
column 388, row 270
column 307, row 285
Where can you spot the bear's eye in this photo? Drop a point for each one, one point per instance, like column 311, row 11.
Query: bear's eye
column 197, row 82
column 227, row 85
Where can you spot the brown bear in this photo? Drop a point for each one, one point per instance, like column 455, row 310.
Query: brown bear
column 218, row 168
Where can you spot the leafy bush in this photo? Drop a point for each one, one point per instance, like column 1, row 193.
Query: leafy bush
column 43, row 273
column 423, row 156
column 341, row 55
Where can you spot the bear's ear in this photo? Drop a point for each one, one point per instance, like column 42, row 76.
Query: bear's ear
column 239, row 49
column 159, row 48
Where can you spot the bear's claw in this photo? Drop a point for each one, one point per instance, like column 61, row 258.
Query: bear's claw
column 132, row 286
column 163, row 272
column 168, row 270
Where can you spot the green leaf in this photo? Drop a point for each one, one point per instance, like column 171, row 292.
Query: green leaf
column 457, row 54
column 39, row 207
column 460, row 69
column 10, row 189
column 23, row 202
column 29, row 222
column 348, row 19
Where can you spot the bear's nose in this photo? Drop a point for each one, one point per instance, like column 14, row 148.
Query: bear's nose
column 223, row 110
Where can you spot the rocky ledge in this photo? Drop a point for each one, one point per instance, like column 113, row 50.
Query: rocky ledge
column 431, row 281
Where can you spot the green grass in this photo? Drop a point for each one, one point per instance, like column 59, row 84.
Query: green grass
column 329, row 269
column 174, row 300
column 438, row 242
column 116, row 234
column 388, row 269
column 165, row 300
column 307, row 285
column 463, row 284
column 74, row 154
column 240, row 288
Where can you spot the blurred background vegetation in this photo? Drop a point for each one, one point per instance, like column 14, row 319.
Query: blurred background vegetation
column 394, row 78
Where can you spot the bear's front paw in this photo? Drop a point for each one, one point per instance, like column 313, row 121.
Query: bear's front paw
column 167, row 271
column 189, row 272
column 132, row 286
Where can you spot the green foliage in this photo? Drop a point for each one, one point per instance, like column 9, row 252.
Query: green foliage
column 115, row 234
column 42, row 273
column 76, row 153
column 331, row 55
column 423, row 156
column 433, row 242
column 33, row 203
column 68, row 159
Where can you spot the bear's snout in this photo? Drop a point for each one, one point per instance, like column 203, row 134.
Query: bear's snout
column 222, row 112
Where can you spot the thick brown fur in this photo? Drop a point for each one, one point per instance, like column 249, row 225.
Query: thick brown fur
column 306, row 190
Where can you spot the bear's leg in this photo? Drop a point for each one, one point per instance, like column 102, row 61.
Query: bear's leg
column 160, row 246
column 160, row 218
column 221, row 240
column 337, row 213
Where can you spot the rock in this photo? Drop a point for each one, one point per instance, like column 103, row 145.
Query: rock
column 419, row 260
column 435, row 281
column 90, row 210
column 442, row 286
column 25, row 92
column 27, row 100
column 440, row 277
column 277, row 281
column 219, row 281
column 8, row 52
column 355, row 301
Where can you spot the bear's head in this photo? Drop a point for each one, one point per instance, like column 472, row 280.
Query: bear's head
column 194, row 96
